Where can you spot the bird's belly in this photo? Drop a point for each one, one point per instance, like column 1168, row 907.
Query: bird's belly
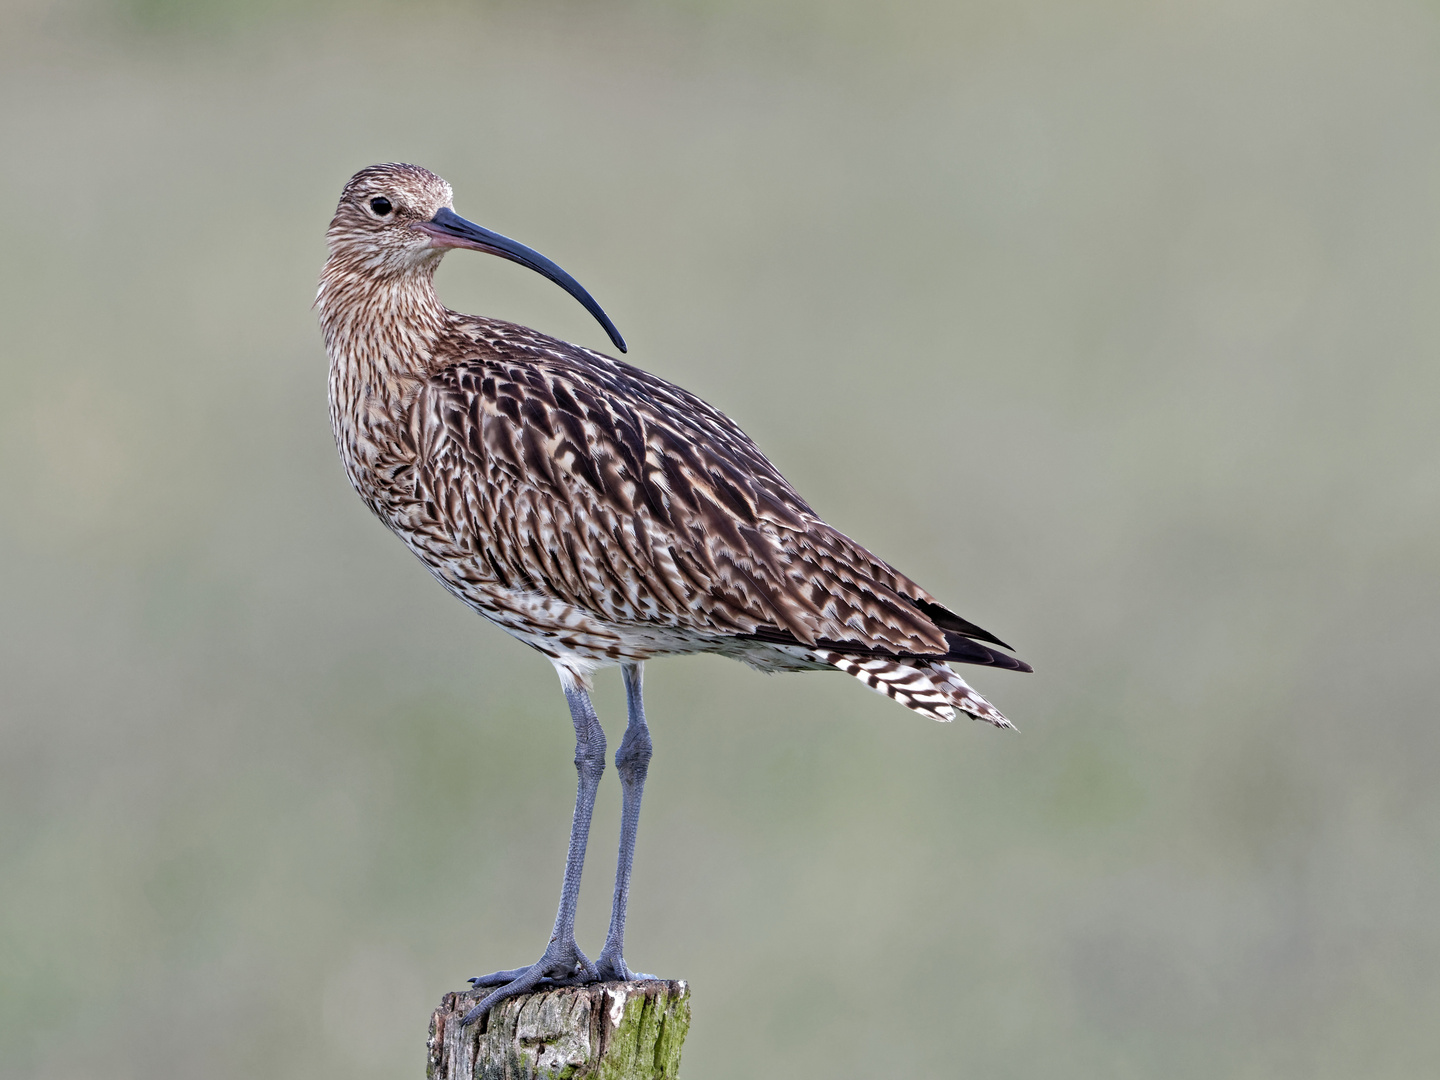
column 574, row 639
column 565, row 632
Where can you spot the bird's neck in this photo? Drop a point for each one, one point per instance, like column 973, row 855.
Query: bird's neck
column 381, row 336
column 381, row 331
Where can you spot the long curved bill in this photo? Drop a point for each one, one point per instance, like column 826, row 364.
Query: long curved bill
column 449, row 229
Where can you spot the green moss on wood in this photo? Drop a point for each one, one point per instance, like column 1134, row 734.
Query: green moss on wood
column 610, row 1031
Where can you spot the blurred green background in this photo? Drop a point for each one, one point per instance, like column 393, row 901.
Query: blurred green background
column 1112, row 323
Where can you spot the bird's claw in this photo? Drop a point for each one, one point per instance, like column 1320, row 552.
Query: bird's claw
column 498, row 978
column 563, row 965
column 613, row 969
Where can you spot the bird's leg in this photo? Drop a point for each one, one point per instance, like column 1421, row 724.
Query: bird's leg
column 632, row 762
column 562, row 963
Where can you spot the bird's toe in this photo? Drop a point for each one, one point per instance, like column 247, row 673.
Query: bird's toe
column 499, row 978
column 564, row 965
column 614, row 969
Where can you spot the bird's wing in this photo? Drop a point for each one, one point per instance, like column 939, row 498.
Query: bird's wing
column 586, row 479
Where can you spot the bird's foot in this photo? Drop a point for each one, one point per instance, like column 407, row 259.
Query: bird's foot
column 562, row 965
column 611, row 966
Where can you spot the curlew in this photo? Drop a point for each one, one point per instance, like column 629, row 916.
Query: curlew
column 598, row 513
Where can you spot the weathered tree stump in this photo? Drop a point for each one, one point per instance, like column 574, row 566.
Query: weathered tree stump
column 608, row 1031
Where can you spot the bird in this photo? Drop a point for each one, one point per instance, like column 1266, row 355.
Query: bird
column 596, row 512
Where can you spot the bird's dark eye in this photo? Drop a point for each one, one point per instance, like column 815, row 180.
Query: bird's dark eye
column 380, row 205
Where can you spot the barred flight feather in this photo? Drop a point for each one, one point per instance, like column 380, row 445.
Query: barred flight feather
column 931, row 689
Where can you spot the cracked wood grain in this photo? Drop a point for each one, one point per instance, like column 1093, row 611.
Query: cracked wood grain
column 607, row 1031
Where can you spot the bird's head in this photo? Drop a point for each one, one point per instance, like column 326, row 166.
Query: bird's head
column 373, row 228
column 398, row 221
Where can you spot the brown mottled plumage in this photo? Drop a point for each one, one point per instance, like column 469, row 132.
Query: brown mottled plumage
column 596, row 512
column 593, row 510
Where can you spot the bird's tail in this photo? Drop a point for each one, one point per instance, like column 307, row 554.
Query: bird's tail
column 930, row 687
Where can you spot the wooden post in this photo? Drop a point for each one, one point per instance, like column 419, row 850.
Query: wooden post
column 608, row 1031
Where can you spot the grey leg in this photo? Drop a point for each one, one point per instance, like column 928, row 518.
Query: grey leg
column 562, row 963
column 632, row 762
